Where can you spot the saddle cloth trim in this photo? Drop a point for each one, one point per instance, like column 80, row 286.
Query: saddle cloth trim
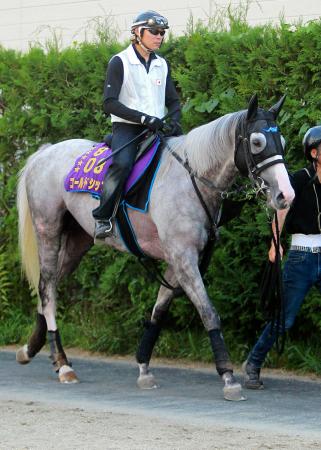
column 124, row 225
column 149, row 190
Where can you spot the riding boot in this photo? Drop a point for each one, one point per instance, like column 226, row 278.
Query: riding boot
column 109, row 202
column 116, row 177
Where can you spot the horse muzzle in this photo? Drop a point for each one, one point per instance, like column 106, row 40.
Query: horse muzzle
column 282, row 200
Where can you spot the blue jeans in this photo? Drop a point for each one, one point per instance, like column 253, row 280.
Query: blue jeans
column 302, row 270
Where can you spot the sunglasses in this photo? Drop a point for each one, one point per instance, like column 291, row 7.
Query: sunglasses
column 156, row 32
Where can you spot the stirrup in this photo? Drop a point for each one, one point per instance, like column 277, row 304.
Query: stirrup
column 104, row 229
column 110, row 225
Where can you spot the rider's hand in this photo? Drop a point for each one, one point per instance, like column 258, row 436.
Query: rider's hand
column 272, row 252
column 172, row 128
column 153, row 123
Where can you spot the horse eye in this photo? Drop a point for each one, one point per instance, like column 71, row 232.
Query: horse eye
column 258, row 142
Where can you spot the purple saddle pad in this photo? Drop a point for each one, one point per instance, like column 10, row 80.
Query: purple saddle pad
column 86, row 176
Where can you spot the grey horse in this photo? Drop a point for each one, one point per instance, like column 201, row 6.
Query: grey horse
column 56, row 227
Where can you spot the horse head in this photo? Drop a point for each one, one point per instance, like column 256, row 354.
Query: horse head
column 259, row 152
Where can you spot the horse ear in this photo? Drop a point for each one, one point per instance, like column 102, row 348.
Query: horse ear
column 275, row 109
column 252, row 108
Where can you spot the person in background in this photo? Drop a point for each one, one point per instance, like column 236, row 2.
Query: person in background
column 302, row 269
column 138, row 90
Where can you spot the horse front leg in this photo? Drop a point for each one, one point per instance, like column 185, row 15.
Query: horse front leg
column 146, row 379
column 186, row 269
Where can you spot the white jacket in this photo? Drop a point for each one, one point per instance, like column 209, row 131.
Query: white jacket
column 140, row 90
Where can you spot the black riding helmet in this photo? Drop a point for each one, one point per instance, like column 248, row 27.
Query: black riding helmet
column 312, row 139
column 147, row 20
column 150, row 19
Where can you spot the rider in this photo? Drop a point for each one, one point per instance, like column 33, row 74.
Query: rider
column 137, row 90
column 302, row 268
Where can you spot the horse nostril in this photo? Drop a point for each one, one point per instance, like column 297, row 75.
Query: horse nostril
column 280, row 197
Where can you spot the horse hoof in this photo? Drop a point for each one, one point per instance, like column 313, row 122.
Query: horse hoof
column 233, row 392
column 67, row 375
column 147, row 381
column 22, row 356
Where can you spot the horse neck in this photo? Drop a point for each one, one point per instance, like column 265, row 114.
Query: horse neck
column 210, row 149
column 222, row 175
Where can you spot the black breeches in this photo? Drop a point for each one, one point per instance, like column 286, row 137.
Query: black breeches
column 120, row 168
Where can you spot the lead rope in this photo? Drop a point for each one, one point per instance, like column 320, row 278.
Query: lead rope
column 279, row 316
column 318, row 207
column 272, row 298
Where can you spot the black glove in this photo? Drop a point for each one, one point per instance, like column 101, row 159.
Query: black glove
column 172, row 128
column 153, row 123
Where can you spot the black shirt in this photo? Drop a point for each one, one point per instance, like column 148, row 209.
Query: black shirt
column 113, row 84
column 303, row 215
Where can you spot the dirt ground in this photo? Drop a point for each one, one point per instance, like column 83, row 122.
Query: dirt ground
column 35, row 425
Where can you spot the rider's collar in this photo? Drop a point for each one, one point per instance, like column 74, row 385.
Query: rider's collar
column 141, row 59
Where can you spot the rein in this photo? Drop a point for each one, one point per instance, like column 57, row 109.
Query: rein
column 193, row 174
column 256, row 181
column 213, row 222
column 250, row 170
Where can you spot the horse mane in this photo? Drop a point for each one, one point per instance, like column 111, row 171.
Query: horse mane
column 208, row 145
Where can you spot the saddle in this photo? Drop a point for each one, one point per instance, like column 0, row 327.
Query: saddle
column 142, row 146
column 87, row 175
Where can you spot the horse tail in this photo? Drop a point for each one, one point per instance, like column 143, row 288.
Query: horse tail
column 27, row 237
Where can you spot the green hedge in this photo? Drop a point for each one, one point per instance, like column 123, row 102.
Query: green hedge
column 48, row 96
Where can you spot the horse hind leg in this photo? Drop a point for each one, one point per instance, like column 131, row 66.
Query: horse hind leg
column 49, row 249
column 75, row 242
column 37, row 340
column 53, row 251
column 40, row 227
column 146, row 379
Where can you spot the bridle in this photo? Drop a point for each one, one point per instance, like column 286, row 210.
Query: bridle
column 249, row 164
